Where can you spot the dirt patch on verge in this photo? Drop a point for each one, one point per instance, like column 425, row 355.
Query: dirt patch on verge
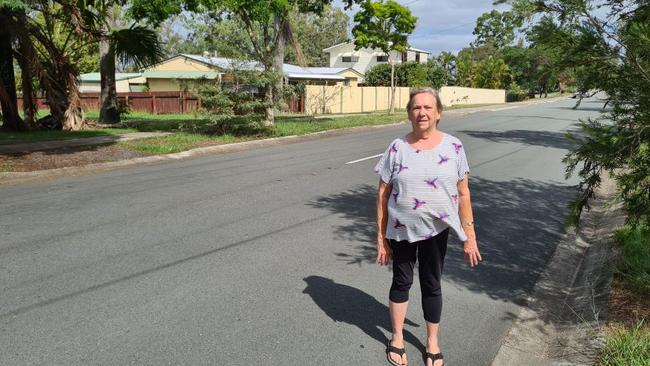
column 65, row 157
column 625, row 308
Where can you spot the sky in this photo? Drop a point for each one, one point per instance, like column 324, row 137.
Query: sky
column 443, row 25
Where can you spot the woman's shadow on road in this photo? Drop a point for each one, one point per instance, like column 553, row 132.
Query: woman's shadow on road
column 349, row 305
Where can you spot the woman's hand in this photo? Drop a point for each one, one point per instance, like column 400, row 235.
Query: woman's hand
column 383, row 251
column 471, row 253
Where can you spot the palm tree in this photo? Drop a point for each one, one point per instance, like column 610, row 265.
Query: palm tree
column 8, row 98
column 135, row 45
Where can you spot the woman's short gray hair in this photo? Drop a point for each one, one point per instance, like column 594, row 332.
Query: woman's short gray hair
column 417, row 91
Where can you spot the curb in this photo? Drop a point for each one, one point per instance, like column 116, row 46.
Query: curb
column 560, row 325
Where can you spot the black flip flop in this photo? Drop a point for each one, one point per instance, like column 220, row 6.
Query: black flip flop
column 434, row 357
column 392, row 349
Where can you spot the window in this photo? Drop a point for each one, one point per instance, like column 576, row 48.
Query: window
column 383, row 58
column 404, row 58
column 349, row 58
column 417, row 57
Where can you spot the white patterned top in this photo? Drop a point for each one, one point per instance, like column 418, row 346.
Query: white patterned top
column 424, row 196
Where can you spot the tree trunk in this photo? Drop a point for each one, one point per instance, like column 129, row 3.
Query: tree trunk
column 8, row 99
column 392, row 88
column 277, row 67
column 27, row 61
column 109, row 112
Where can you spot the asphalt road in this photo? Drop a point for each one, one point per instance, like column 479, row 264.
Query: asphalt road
column 267, row 256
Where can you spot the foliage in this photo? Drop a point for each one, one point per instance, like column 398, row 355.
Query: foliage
column 634, row 265
column 409, row 74
column 383, row 25
column 447, row 61
column 496, row 28
column 516, row 93
column 437, row 75
column 626, row 347
column 618, row 62
column 315, row 32
column 378, row 75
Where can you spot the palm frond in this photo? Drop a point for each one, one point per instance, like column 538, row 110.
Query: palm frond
column 137, row 45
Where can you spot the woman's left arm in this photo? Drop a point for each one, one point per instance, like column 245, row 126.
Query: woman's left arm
column 470, row 247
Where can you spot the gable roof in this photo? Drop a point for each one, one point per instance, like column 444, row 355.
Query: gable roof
column 328, row 49
column 180, row 74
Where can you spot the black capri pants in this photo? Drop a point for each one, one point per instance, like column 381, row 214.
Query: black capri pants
column 430, row 254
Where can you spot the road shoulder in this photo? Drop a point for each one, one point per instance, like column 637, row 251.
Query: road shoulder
column 562, row 322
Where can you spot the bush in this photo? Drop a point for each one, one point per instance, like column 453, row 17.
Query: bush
column 516, row 93
column 378, row 75
column 411, row 74
column 634, row 265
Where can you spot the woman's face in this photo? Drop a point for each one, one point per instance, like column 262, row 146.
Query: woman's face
column 424, row 113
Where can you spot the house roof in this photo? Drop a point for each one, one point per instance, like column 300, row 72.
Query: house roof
column 180, row 74
column 93, row 77
column 225, row 63
column 323, row 73
column 328, row 49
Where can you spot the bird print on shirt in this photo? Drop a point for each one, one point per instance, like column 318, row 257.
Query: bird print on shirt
column 401, row 168
column 442, row 215
column 455, row 198
column 457, row 147
column 418, row 203
column 393, row 148
column 443, row 159
column 432, row 183
column 398, row 224
column 395, row 196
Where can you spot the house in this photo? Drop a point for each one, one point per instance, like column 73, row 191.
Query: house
column 124, row 82
column 362, row 60
column 169, row 74
column 173, row 74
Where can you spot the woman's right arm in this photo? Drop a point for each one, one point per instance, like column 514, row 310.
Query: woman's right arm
column 383, row 248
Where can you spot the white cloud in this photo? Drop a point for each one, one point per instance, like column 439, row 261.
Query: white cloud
column 443, row 25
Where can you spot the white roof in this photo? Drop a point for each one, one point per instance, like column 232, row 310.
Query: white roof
column 291, row 71
column 350, row 43
column 226, row 63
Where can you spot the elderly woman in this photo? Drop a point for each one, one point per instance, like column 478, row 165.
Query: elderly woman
column 423, row 193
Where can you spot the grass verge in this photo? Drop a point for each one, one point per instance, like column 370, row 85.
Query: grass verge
column 627, row 338
column 200, row 134
column 626, row 346
column 48, row 135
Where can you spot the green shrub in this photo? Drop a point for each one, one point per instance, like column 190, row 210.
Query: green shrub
column 634, row 265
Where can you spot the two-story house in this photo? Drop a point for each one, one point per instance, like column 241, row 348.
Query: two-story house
column 362, row 60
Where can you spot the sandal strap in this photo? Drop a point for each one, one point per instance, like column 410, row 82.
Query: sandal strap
column 434, row 356
column 393, row 349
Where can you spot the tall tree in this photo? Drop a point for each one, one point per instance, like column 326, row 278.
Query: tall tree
column 386, row 26
column 8, row 98
column 496, row 28
column 315, row 32
column 611, row 53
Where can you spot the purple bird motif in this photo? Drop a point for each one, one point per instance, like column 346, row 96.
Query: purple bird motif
column 398, row 224
column 395, row 196
column 393, row 148
column 401, row 168
column 417, row 151
column 418, row 203
column 443, row 159
column 457, row 147
column 455, row 198
column 432, row 182
column 442, row 215
column 429, row 235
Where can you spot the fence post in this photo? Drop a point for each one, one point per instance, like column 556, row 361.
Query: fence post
column 361, row 100
column 376, row 99
column 341, row 101
column 153, row 104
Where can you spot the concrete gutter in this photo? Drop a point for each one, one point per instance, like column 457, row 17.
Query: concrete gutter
column 562, row 322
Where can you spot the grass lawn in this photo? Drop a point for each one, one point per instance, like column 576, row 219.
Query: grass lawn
column 190, row 135
column 45, row 135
